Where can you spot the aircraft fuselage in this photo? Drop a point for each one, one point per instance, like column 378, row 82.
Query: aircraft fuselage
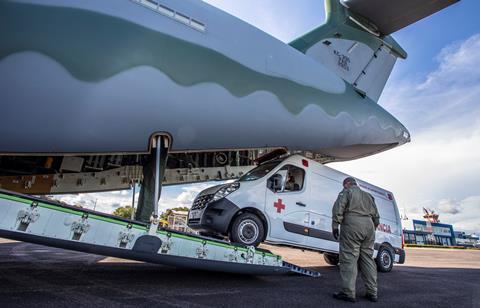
column 104, row 76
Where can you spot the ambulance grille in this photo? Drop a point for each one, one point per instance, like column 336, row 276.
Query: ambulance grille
column 201, row 202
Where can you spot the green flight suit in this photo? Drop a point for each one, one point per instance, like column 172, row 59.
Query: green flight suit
column 355, row 211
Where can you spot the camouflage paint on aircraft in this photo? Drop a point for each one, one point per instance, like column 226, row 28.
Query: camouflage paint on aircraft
column 97, row 48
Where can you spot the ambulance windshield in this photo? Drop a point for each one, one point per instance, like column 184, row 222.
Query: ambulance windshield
column 260, row 171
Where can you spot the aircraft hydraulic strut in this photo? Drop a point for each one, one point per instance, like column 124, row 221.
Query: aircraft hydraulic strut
column 150, row 192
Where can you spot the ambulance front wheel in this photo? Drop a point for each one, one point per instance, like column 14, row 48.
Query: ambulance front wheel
column 331, row 259
column 247, row 229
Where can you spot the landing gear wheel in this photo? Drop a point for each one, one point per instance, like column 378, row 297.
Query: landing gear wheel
column 247, row 229
column 384, row 259
column 331, row 259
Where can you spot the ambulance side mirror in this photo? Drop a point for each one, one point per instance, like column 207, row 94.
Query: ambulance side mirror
column 274, row 183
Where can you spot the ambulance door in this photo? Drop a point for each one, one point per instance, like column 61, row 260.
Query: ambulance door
column 286, row 205
column 323, row 193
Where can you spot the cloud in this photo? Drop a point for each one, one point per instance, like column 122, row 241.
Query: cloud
column 185, row 197
column 105, row 202
column 447, row 95
column 459, row 63
column 449, row 206
column 441, row 164
column 285, row 20
column 421, row 174
column 469, row 218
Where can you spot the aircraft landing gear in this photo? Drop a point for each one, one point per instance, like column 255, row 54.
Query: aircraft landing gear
column 153, row 171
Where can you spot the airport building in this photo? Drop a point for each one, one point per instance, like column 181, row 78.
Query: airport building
column 430, row 233
column 177, row 220
column 467, row 240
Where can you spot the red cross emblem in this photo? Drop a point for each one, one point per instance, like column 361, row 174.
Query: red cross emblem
column 279, row 205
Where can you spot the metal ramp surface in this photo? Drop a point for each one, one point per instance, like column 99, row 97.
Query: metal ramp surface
column 29, row 219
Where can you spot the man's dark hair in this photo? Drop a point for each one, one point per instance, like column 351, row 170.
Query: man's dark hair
column 350, row 180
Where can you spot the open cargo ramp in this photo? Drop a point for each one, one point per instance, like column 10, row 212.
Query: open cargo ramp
column 45, row 222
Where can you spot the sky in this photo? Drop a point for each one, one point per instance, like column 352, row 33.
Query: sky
column 435, row 93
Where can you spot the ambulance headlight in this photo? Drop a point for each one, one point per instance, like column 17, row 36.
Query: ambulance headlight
column 225, row 191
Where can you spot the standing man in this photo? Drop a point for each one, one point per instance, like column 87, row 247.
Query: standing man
column 355, row 211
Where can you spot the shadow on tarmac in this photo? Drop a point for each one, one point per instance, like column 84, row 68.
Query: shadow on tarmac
column 41, row 276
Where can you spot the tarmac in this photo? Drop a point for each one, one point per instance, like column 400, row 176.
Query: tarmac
column 39, row 276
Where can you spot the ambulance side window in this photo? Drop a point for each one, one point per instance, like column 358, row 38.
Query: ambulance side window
column 288, row 179
column 295, row 179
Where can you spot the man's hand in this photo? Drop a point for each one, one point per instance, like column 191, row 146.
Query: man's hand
column 336, row 233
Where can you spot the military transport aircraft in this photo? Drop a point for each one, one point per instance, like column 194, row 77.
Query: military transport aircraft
column 88, row 87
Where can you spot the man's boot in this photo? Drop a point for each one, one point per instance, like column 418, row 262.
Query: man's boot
column 344, row 297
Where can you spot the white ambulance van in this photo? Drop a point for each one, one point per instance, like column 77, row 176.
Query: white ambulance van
column 288, row 201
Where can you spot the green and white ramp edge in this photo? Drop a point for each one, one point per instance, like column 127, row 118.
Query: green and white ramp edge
column 26, row 218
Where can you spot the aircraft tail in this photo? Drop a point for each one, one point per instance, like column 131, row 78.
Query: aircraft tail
column 355, row 41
